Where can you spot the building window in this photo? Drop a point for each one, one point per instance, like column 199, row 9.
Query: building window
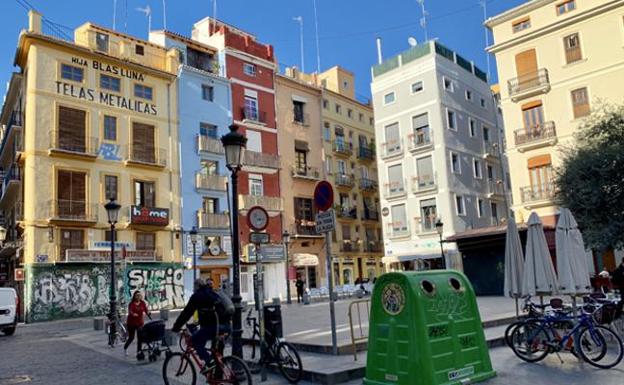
column 207, row 92
column 393, row 139
column 350, row 113
column 338, row 109
column 251, row 108
column 417, row 87
column 249, row 69
column 486, row 134
column 141, row 91
column 71, row 194
column 255, row 185
column 490, row 172
column 580, row 102
column 325, row 103
column 144, row 193
column 328, row 165
column 71, row 129
column 72, row 73
column 399, row 219
column 480, row 208
column 451, row 120
column 101, row 42
column 110, row 83
column 494, row 209
column 71, row 239
column 389, row 98
column 304, row 209
column 540, row 174
column 139, row 50
column 210, row 205
column 429, row 214
column 327, row 131
column 395, row 179
column 455, row 163
column 448, row 84
column 459, row 205
column 483, row 103
column 143, row 143
column 420, row 125
column 110, row 187
column 572, row 46
column 477, row 169
column 298, row 111
column 301, row 161
column 110, row 128
column 473, row 127
column 371, row 121
column 521, row 25
column 468, row 95
column 565, row 7
column 209, row 167
column 146, row 241
column 208, row 130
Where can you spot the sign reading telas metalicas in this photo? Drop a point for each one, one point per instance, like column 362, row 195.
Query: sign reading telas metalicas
column 153, row 216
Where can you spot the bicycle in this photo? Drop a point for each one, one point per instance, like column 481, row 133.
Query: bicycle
column 178, row 367
column 276, row 351
column 534, row 339
column 121, row 332
column 534, row 311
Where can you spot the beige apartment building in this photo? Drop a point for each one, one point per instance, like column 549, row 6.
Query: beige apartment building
column 555, row 60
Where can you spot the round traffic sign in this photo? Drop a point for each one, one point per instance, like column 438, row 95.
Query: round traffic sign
column 323, row 195
column 257, row 218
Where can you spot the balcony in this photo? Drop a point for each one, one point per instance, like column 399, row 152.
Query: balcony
column 529, row 85
column 491, row 150
column 306, row 228
column 302, row 119
column 213, row 221
column 398, row 230
column 370, row 215
column 65, row 210
column 368, row 185
column 426, row 226
column 423, row 184
column 392, row 148
column 12, row 144
column 419, row 142
column 535, row 137
column 146, row 156
column 209, row 145
column 349, row 246
column 252, row 115
column 246, row 202
column 344, row 180
column 536, row 196
column 342, row 148
column 495, row 188
column 81, row 255
column 210, row 182
column 11, row 181
column 306, row 172
column 73, row 145
column 343, row 212
column 395, row 189
column 259, row 160
column 366, row 153
column 373, row 247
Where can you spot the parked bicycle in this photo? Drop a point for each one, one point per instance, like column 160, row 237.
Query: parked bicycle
column 121, row 333
column 180, row 367
column 277, row 351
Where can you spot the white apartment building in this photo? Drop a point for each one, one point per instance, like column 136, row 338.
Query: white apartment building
column 438, row 145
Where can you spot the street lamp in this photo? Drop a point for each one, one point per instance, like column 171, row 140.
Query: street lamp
column 193, row 234
column 440, row 229
column 286, row 239
column 234, row 143
column 112, row 210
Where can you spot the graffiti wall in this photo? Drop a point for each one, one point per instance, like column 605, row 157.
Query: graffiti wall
column 80, row 290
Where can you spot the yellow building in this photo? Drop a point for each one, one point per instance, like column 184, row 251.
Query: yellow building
column 555, row 59
column 97, row 119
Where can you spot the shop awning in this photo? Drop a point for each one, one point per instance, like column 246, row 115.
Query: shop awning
column 405, row 258
column 305, row 259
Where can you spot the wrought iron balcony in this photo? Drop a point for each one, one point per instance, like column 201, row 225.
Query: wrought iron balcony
column 344, row 180
column 10, row 184
column 420, row 141
column 73, row 144
column 210, row 182
column 306, row 172
column 373, row 246
column 495, row 188
column 213, row 221
column 491, row 150
column 260, row 160
column 209, row 145
column 343, row 148
column 146, row 155
column 346, row 212
column 366, row 153
column 370, row 215
column 544, row 192
column 253, row 115
column 529, row 84
column 368, row 185
column 349, row 246
column 306, row 228
column 536, row 136
column 73, row 210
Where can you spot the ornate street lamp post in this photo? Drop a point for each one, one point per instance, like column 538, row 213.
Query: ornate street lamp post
column 112, row 210
column 193, row 234
column 234, row 143
column 286, row 239
column 440, row 229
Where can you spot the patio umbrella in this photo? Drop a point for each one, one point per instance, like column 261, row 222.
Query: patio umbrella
column 573, row 270
column 514, row 260
column 539, row 274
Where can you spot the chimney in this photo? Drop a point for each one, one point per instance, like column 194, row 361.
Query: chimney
column 34, row 21
column 379, row 58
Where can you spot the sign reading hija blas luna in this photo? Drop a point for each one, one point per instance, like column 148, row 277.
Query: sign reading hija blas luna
column 104, row 97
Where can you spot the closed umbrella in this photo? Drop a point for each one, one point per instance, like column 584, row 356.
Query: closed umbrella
column 514, row 261
column 570, row 244
column 565, row 257
column 539, row 274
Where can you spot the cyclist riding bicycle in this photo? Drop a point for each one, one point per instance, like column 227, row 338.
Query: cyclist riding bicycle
column 208, row 304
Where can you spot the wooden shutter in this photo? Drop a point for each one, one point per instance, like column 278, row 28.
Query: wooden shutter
column 580, row 102
column 71, row 239
column 143, row 148
column 526, row 63
column 71, row 194
column 71, row 129
column 146, row 241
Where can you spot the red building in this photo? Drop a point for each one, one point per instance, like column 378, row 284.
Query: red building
column 250, row 66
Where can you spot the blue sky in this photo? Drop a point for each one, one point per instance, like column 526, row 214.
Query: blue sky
column 347, row 28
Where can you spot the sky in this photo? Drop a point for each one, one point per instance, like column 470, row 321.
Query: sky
column 347, row 28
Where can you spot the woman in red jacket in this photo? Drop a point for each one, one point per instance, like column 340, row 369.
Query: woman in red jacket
column 136, row 309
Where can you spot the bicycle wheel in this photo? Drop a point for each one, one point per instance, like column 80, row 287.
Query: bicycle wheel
column 235, row 371
column 179, row 370
column 289, row 362
column 529, row 341
column 600, row 347
column 510, row 330
column 182, row 343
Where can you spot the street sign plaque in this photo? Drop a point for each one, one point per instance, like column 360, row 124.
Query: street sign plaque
column 325, row 221
column 259, row 238
column 323, row 195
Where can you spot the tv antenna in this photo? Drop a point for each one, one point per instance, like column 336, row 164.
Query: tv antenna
column 299, row 19
column 423, row 19
column 148, row 12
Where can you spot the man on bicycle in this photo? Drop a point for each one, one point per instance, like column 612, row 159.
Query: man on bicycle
column 205, row 301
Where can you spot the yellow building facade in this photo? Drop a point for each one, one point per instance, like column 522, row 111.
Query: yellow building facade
column 555, row 60
column 98, row 121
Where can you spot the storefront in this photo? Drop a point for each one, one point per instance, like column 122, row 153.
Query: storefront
column 306, row 266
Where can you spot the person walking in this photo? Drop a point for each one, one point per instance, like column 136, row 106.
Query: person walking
column 299, row 284
column 136, row 309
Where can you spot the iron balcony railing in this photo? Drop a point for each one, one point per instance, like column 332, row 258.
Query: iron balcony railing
column 213, row 220
column 146, row 155
column 73, row 210
column 260, row 159
column 495, row 187
column 349, row 246
column 491, row 149
column 528, row 82
column 370, row 215
column 209, row 145
column 392, row 148
column 74, row 144
column 344, row 180
column 253, row 115
column 420, row 141
column 373, row 247
column 342, row 147
column 545, row 191
column 210, row 182
column 269, row 203
column 306, row 228
column 346, row 212
column 306, row 172
column 366, row 153
column 368, row 184
column 541, row 131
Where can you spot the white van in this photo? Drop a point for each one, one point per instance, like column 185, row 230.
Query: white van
column 9, row 302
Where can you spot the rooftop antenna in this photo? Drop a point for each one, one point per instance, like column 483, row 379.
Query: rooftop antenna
column 483, row 4
column 379, row 56
column 164, row 2
column 148, row 12
column 114, row 14
column 423, row 19
column 125, row 15
column 299, row 19
column 318, row 48
column 412, row 41
column 214, row 15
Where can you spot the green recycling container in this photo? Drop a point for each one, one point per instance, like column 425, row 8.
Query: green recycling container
column 425, row 329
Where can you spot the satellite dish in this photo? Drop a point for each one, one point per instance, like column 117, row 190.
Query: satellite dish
column 412, row 41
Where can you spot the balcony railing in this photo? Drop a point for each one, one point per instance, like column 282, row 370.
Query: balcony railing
column 349, row 246
column 370, row 215
column 306, row 228
column 536, row 133
column 306, row 172
column 213, row 221
column 73, row 210
column 146, row 155
column 346, row 212
column 495, row 187
column 366, row 153
column 302, row 119
column 420, row 141
column 425, row 225
column 209, row 145
column 344, row 180
column 269, row 203
column 210, row 182
column 537, row 193
column 373, row 246
column 398, row 230
column 491, row 150
column 73, row 144
column 260, row 159
column 392, row 148
column 344, row 148
column 529, row 84
column 395, row 189
column 423, row 183
column 253, row 115
column 368, row 184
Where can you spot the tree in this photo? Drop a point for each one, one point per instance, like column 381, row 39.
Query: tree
column 590, row 181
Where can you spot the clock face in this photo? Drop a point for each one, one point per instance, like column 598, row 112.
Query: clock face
column 258, row 218
column 393, row 299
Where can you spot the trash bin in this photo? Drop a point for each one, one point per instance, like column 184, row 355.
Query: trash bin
column 164, row 314
column 425, row 329
column 306, row 298
column 273, row 323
